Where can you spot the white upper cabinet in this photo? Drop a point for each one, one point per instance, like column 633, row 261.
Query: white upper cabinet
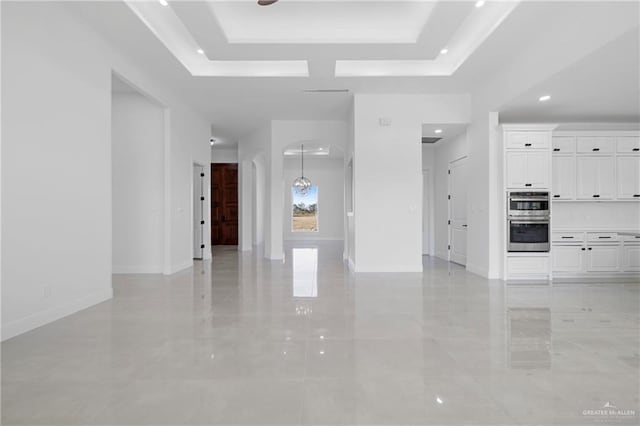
column 564, row 177
column 628, row 144
column 595, row 144
column 527, row 140
column 527, row 169
column 595, row 178
column 628, row 179
column 564, row 144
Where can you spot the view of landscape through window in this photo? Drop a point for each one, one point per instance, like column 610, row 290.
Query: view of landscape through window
column 304, row 215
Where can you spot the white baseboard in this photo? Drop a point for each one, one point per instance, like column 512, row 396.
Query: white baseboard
column 443, row 256
column 17, row 327
column 179, row 267
column 389, row 268
column 137, row 269
column 483, row 272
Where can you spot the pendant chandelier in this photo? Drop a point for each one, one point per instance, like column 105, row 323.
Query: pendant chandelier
column 302, row 184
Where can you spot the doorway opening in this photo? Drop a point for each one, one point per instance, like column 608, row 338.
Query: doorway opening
column 224, row 204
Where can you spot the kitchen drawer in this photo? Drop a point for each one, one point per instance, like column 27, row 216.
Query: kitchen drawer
column 527, row 140
column 528, row 266
column 564, row 144
column 595, row 144
column 602, row 237
column 631, row 238
column 567, row 237
column 628, row 145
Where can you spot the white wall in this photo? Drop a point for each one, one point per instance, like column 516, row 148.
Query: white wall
column 388, row 175
column 328, row 175
column 56, row 164
column 137, row 152
column 224, row 155
column 597, row 216
column 252, row 151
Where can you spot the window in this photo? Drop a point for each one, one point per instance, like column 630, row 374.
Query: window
column 304, row 213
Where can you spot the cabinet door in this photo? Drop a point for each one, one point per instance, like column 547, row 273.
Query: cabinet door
column 606, row 178
column 567, row 258
column 587, row 177
column 564, row 144
column 516, row 169
column 628, row 178
column 563, row 185
column 604, row 258
column 596, row 177
column 527, row 140
column 631, row 258
column 537, row 175
column 628, row 145
column 595, row 144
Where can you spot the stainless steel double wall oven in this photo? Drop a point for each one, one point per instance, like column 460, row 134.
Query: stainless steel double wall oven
column 528, row 222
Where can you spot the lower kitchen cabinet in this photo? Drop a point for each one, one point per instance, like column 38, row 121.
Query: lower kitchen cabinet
column 568, row 258
column 580, row 254
column 603, row 258
column 631, row 258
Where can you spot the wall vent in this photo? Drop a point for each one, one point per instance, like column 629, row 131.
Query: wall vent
column 426, row 139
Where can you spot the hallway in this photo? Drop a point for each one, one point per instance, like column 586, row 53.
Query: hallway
column 242, row 340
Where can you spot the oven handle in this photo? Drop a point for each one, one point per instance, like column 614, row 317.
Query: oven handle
column 530, row 199
column 529, row 222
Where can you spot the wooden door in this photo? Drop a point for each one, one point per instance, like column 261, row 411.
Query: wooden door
column 224, row 204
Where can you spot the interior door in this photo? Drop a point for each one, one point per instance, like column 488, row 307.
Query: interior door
column 224, row 204
column 458, row 211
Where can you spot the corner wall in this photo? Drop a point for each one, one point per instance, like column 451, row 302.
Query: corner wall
column 137, row 184
column 56, row 164
column 388, row 176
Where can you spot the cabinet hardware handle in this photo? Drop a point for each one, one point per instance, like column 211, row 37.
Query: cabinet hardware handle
column 596, row 196
column 602, row 238
column 568, row 238
column 596, row 149
column 527, row 184
column 556, row 149
column 635, row 149
column 583, row 249
column 636, row 195
column 201, row 198
column 589, row 248
column 556, row 196
column 527, row 144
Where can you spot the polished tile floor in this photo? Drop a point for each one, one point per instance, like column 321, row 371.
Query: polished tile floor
column 246, row 341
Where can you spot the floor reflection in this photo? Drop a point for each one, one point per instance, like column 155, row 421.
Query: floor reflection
column 305, row 272
column 529, row 338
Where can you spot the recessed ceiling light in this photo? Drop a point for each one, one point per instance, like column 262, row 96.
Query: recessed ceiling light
column 544, row 98
column 480, row 3
column 200, row 51
column 444, row 51
column 164, row 2
column 438, row 131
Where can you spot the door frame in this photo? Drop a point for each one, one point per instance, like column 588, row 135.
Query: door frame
column 458, row 160
column 195, row 164
column 428, row 172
